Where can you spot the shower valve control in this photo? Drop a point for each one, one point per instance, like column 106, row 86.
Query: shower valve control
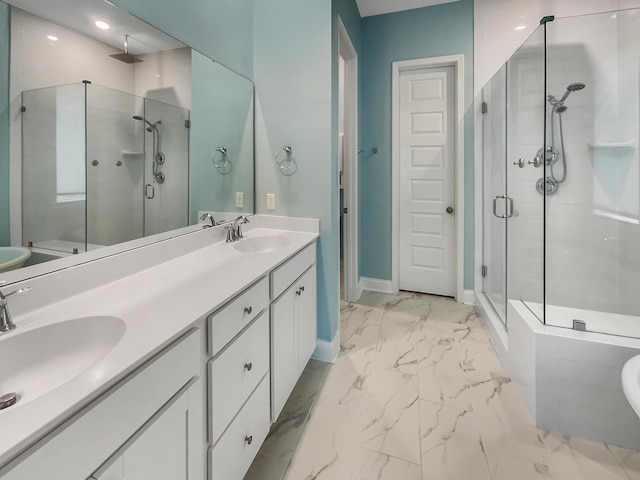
column 519, row 162
column 536, row 162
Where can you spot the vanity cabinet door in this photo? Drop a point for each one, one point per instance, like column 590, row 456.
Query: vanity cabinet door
column 284, row 354
column 160, row 451
column 306, row 317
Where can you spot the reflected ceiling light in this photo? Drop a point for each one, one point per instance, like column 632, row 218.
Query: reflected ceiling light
column 52, row 37
column 614, row 16
column 102, row 25
column 520, row 27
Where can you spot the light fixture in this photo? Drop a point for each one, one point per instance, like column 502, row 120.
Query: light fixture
column 102, row 25
column 520, row 27
column 52, row 37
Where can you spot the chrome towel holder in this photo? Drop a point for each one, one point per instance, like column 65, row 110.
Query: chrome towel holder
column 287, row 164
column 223, row 165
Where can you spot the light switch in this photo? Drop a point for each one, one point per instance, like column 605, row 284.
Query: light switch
column 239, row 199
column 271, row 201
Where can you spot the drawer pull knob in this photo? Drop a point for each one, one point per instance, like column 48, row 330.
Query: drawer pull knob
column 302, row 288
column 248, row 310
column 248, row 366
column 248, row 439
column 298, row 292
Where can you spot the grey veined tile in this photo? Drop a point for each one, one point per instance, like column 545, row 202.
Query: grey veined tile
column 379, row 466
column 580, row 458
column 397, row 343
column 629, row 460
column 451, row 446
column 390, row 415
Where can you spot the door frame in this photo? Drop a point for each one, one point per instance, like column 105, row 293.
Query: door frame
column 457, row 62
column 352, row 288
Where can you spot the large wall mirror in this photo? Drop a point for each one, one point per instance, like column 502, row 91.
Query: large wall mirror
column 115, row 132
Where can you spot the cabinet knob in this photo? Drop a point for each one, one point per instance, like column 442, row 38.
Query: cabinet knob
column 248, row 310
column 248, row 366
column 299, row 292
column 248, row 439
column 302, row 288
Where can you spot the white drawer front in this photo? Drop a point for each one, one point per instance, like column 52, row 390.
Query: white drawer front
column 231, row 457
column 235, row 373
column 286, row 274
column 237, row 314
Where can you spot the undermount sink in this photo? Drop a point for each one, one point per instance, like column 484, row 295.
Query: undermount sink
column 631, row 382
column 262, row 244
column 37, row 361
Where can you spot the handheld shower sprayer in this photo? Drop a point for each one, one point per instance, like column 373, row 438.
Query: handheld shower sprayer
column 158, row 156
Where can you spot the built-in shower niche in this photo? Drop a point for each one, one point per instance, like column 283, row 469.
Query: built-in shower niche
column 88, row 167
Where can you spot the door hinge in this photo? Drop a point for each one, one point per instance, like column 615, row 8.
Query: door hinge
column 484, row 108
column 187, row 124
column 484, row 271
column 23, row 109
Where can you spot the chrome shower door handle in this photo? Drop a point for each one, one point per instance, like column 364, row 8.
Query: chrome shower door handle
column 509, row 203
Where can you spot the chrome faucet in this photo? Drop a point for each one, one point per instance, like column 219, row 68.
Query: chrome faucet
column 6, row 323
column 210, row 217
column 234, row 231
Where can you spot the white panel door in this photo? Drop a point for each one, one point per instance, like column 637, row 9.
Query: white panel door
column 427, row 143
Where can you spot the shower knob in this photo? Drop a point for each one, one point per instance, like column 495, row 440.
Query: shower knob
column 536, row 162
column 519, row 162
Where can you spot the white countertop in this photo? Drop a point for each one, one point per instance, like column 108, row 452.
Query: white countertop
column 157, row 305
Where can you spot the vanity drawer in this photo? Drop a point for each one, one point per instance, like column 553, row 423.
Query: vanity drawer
column 286, row 274
column 235, row 373
column 237, row 314
column 231, row 457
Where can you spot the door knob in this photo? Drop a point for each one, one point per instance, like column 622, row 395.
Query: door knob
column 449, row 210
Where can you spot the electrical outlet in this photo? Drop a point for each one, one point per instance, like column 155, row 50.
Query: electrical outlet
column 239, row 199
column 271, row 201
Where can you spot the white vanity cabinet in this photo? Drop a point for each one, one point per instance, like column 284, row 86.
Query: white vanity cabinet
column 293, row 324
column 238, row 374
column 148, row 427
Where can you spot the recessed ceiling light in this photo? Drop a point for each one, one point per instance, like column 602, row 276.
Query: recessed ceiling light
column 520, row 27
column 102, row 25
column 52, row 37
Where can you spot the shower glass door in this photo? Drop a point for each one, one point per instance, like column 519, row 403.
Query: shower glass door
column 525, row 170
column 494, row 283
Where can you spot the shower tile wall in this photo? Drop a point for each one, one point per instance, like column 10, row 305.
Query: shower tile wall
column 38, row 62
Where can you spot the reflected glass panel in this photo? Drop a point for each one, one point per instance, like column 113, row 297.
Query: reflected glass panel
column 526, row 140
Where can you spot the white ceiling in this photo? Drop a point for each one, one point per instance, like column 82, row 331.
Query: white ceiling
column 378, row 7
column 80, row 15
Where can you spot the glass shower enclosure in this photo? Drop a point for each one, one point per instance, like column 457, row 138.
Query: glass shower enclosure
column 561, row 176
column 100, row 167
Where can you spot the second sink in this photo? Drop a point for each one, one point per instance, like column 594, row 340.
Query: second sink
column 262, row 244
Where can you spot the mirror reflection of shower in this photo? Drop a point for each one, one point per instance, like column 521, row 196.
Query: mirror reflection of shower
column 158, row 156
column 554, row 154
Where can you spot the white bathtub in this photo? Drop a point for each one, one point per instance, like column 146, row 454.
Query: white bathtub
column 569, row 380
column 12, row 258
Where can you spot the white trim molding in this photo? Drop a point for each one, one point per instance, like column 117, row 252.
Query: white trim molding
column 376, row 285
column 457, row 62
column 327, row 351
column 469, row 297
column 350, row 164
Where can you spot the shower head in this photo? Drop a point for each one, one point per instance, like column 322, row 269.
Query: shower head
column 125, row 56
column 574, row 87
column 152, row 126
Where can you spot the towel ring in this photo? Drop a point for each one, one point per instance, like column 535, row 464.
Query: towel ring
column 288, row 163
column 223, row 163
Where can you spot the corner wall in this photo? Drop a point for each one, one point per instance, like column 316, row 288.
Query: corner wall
column 420, row 33
column 293, row 84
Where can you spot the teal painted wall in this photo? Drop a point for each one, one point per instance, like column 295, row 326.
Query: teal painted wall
column 220, row 29
column 293, row 82
column 221, row 116
column 420, row 33
column 5, row 44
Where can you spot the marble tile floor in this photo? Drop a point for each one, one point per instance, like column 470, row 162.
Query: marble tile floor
column 417, row 393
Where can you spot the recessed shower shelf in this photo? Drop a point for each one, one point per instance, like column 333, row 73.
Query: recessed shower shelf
column 622, row 147
column 128, row 155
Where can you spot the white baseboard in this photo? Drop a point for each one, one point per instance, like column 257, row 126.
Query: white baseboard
column 469, row 297
column 327, row 351
column 376, row 285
